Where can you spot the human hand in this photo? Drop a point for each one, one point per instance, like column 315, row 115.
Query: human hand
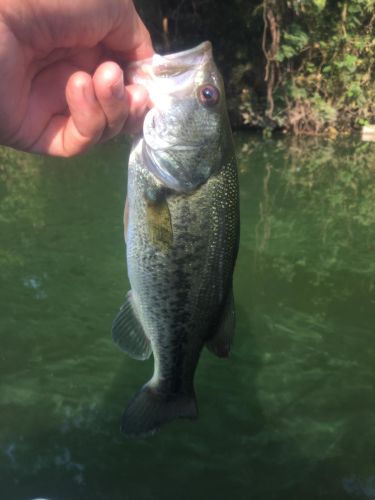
column 62, row 88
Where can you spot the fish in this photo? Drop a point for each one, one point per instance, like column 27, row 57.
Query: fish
column 181, row 225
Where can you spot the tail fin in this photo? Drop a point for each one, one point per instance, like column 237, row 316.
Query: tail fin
column 148, row 410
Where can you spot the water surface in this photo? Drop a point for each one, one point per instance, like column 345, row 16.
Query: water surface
column 291, row 415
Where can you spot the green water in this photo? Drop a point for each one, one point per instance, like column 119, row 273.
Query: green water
column 291, row 415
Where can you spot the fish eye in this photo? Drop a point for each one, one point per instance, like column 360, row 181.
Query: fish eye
column 208, row 95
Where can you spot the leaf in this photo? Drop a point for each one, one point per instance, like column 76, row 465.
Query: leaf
column 320, row 4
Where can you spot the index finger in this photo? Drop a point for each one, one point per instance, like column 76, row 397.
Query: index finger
column 130, row 38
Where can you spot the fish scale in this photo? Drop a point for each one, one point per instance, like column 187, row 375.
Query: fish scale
column 181, row 250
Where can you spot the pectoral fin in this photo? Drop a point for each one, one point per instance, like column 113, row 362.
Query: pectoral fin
column 159, row 221
column 128, row 334
column 221, row 342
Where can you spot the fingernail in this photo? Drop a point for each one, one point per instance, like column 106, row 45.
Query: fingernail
column 117, row 89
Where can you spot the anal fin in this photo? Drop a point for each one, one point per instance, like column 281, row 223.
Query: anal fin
column 128, row 333
column 221, row 342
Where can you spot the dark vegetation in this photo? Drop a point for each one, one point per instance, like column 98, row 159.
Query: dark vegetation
column 304, row 66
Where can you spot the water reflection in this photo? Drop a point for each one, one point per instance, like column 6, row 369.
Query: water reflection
column 296, row 401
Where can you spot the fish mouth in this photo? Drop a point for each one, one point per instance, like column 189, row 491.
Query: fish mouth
column 171, row 74
column 166, row 65
column 202, row 48
column 185, row 60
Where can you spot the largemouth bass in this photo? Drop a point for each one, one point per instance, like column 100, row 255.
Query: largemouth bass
column 181, row 231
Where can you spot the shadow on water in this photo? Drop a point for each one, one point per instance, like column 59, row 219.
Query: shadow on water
column 232, row 449
column 79, row 453
column 289, row 416
column 200, row 452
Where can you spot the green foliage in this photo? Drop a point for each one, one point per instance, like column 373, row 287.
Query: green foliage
column 295, row 40
column 314, row 59
column 329, row 72
column 320, row 4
